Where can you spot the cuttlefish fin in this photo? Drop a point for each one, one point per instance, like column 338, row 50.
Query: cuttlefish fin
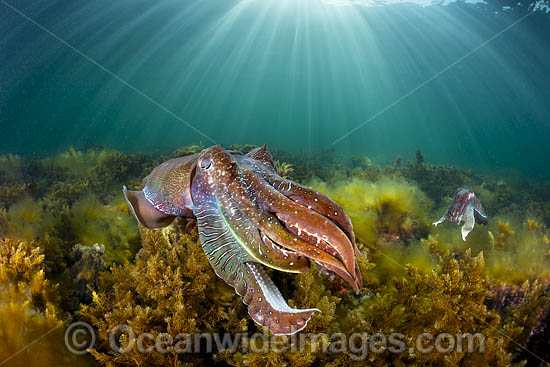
column 267, row 306
column 144, row 211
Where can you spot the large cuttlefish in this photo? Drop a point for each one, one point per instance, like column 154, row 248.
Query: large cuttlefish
column 249, row 217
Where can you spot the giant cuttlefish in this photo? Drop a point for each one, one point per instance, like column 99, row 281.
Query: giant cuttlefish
column 464, row 207
column 249, row 217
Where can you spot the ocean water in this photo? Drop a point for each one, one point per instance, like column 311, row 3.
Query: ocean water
column 338, row 90
column 467, row 83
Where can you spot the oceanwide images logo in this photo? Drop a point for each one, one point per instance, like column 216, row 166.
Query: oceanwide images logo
column 80, row 337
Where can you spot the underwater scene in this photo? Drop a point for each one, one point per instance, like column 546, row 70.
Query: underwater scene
column 275, row 183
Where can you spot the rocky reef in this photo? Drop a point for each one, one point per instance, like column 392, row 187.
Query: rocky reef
column 70, row 252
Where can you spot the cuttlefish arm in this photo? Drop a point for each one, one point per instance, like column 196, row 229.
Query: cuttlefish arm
column 231, row 262
column 316, row 230
column 305, row 196
column 259, row 247
column 267, row 306
column 284, row 223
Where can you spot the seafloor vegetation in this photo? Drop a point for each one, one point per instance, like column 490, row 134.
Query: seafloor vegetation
column 70, row 251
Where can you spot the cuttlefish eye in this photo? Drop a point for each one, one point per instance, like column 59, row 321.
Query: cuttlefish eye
column 205, row 164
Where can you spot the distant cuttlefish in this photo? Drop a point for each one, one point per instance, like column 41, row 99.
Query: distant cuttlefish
column 465, row 207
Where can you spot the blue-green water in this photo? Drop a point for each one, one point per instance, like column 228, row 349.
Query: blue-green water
column 468, row 84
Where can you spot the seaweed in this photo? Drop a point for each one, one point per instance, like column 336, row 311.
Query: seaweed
column 11, row 192
column 388, row 210
column 283, row 169
column 503, row 235
column 171, row 288
column 85, row 265
column 110, row 225
column 186, row 150
column 29, row 310
column 74, row 252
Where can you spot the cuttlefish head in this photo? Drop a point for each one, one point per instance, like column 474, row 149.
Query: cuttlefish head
column 215, row 168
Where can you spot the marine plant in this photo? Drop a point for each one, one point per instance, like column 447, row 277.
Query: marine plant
column 283, row 169
column 418, row 278
column 383, row 211
column 11, row 192
column 186, row 150
column 85, row 264
column 517, row 255
column 171, row 288
column 29, row 310
column 26, row 219
column 503, row 235
column 92, row 222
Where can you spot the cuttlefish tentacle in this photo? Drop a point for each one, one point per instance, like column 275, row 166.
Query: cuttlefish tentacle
column 254, row 243
column 256, row 200
column 278, row 234
column 242, row 213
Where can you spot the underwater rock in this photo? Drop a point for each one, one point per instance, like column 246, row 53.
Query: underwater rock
column 249, row 216
column 464, row 207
